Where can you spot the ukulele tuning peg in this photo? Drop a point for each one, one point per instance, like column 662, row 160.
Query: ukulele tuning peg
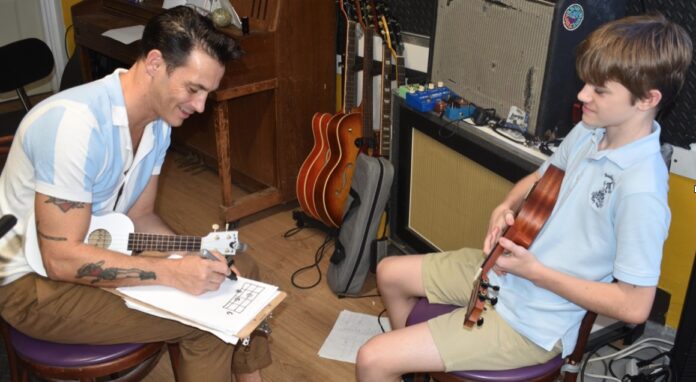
column 495, row 287
column 493, row 300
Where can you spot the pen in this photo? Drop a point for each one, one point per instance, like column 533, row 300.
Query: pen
column 206, row 254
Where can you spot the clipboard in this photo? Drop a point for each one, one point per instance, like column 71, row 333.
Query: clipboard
column 243, row 333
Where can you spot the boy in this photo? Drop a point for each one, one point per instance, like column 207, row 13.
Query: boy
column 609, row 222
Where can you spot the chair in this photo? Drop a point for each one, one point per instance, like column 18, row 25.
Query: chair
column 23, row 62
column 549, row 371
column 54, row 361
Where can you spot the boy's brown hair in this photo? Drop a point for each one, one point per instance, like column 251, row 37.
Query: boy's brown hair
column 640, row 52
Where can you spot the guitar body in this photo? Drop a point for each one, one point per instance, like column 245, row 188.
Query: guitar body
column 531, row 217
column 333, row 185
column 312, row 165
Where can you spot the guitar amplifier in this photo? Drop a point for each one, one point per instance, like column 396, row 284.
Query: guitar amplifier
column 504, row 53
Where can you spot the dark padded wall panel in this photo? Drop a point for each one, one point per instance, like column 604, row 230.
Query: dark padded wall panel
column 678, row 121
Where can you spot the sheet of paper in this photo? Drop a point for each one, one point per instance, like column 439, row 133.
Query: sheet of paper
column 349, row 333
column 126, row 35
column 227, row 310
column 229, row 338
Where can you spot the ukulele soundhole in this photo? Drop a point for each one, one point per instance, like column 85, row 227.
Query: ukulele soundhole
column 100, row 238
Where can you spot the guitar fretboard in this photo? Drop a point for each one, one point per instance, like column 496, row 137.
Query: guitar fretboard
column 350, row 96
column 163, row 243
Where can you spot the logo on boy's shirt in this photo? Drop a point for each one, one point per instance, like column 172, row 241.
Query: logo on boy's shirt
column 599, row 196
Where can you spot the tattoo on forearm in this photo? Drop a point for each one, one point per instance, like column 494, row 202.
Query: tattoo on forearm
column 95, row 271
column 65, row 205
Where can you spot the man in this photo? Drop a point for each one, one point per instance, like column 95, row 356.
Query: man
column 99, row 148
column 609, row 222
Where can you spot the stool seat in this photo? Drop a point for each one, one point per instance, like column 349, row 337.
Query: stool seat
column 67, row 355
column 424, row 310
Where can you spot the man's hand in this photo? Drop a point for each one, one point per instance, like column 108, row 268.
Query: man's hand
column 501, row 218
column 197, row 275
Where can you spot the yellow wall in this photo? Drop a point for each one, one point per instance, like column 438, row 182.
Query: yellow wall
column 67, row 21
column 680, row 245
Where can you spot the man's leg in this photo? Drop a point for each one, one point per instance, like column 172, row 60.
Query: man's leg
column 248, row 361
column 400, row 283
column 71, row 313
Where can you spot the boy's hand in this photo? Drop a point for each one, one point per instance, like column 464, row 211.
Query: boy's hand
column 501, row 218
column 516, row 260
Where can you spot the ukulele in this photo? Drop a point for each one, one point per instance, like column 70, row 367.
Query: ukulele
column 114, row 231
column 533, row 213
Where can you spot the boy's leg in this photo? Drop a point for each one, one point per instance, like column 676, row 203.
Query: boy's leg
column 400, row 283
column 71, row 313
column 388, row 356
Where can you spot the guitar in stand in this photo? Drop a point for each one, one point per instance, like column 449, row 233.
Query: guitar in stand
column 308, row 188
column 349, row 134
column 532, row 216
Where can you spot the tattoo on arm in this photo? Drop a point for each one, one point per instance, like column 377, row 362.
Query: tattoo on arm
column 64, row 205
column 48, row 237
column 95, row 271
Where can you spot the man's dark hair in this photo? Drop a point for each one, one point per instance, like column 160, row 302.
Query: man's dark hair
column 177, row 31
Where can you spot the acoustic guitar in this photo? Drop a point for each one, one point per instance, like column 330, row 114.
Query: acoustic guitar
column 532, row 216
column 348, row 134
column 320, row 154
column 114, row 231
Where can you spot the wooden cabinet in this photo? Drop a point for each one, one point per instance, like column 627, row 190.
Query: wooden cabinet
column 257, row 126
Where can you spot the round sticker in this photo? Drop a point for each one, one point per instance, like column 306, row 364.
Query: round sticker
column 573, row 16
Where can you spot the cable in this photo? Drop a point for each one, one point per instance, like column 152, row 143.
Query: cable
column 379, row 320
column 65, row 40
column 318, row 255
column 633, row 348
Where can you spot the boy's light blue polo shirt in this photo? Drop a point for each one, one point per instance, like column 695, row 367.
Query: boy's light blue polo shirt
column 610, row 221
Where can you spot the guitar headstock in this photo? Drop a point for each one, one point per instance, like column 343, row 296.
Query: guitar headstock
column 361, row 11
column 348, row 9
column 225, row 242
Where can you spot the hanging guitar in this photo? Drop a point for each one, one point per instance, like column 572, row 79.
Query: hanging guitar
column 114, row 231
column 533, row 213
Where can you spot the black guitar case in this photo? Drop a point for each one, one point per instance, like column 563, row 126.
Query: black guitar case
column 369, row 192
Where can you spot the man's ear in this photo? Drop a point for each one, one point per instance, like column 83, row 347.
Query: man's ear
column 651, row 100
column 153, row 62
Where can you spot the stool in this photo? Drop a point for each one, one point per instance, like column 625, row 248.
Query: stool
column 549, row 371
column 54, row 361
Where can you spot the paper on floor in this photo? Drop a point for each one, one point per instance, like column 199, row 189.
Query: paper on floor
column 350, row 331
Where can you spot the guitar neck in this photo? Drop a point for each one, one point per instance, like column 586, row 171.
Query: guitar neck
column 163, row 243
column 367, row 84
column 350, row 96
column 400, row 71
column 385, row 128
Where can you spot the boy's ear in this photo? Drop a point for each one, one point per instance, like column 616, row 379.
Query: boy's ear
column 651, row 100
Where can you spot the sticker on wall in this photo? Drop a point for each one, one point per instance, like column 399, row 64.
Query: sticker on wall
column 573, row 16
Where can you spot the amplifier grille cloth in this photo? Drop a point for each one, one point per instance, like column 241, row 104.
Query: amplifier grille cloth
column 451, row 196
column 494, row 53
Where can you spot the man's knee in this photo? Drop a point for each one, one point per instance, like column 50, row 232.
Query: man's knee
column 247, row 266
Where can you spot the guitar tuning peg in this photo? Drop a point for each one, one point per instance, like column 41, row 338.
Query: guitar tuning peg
column 493, row 300
column 479, row 322
column 215, row 227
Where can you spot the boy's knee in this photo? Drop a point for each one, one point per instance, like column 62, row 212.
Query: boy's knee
column 368, row 356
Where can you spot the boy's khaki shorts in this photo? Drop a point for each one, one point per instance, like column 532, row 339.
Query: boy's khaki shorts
column 448, row 279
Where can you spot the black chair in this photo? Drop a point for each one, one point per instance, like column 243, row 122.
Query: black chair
column 23, row 62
